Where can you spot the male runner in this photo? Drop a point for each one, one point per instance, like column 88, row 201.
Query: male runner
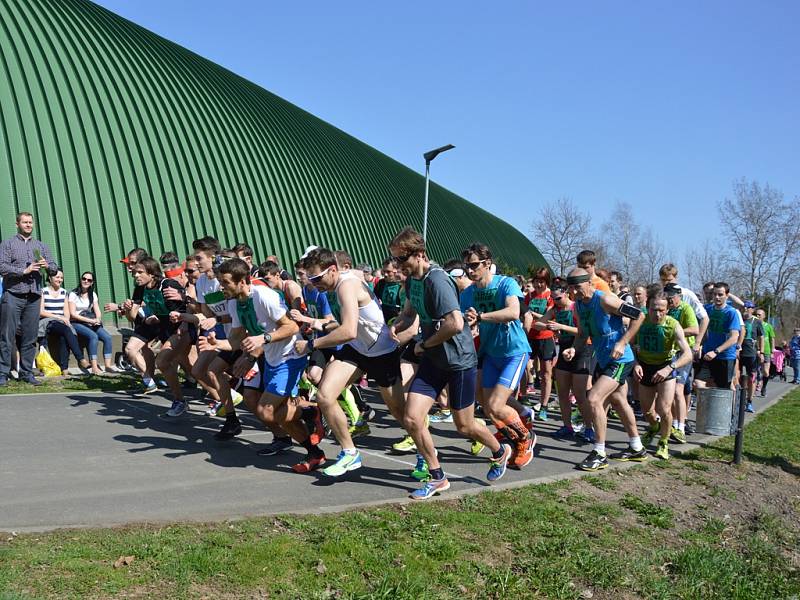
column 600, row 317
column 719, row 345
column 752, row 352
column 542, row 340
column 769, row 346
column 368, row 348
column 682, row 312
column 587, row 261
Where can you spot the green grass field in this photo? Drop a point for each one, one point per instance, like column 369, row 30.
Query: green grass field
column 693, row 527
column 96, row 383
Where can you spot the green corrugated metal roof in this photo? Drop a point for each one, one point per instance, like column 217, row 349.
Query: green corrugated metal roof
column 115, row 137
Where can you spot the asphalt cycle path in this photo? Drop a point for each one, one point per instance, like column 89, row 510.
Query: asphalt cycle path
column 97, row 459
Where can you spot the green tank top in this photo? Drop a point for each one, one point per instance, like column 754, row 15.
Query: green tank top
column 684, row 318
column 657, row 342
column 565, row 317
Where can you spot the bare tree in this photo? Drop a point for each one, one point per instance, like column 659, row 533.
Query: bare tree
column 650, row 257
column 749, row 223
column 706, row 263
column 560, row 232
column 621, row 233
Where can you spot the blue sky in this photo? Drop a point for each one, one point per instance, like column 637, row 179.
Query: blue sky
column 661, row 105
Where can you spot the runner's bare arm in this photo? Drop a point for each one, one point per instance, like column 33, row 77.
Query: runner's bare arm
column 349, row 293
column 686, row 352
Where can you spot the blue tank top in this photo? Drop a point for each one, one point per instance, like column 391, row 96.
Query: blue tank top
column 604, row 329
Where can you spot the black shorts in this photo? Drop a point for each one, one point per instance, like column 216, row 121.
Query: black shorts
column 430, row 381
column 229, row 356
column 649, row 370
column 615, row 370
column 544, row 349
column 149, row 332
column 318, row 358
column 748, row 365
column 719, row 370
column 579, row 365
column 409, row 355
column 384, row 369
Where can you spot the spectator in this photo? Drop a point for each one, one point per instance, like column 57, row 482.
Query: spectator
column 54, row 319
column 794, row 349
column 21, row 258
column 84, row 313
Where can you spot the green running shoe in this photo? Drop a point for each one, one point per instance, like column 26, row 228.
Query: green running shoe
column 663, row 449
column 476, row 447
column 358, row 429
column 421, row 472
column 676, row 435
column 405, row 446
column 344, row 462
column 651, row 432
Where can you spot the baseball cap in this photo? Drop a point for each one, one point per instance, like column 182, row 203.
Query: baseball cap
column 673, row 289
column 125, row 260
column 308, row 251
column 749, row 304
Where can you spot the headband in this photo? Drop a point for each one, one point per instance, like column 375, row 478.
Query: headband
column 176, row 271
column 576, row 279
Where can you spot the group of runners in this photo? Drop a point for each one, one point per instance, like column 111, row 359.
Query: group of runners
column 460, row 338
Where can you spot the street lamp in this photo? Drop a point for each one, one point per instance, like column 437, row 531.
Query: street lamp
column 429, row 156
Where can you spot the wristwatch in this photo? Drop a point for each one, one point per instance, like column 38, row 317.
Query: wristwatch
column 479, row 318
column 267, row 338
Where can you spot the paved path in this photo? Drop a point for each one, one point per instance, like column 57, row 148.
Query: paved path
column 85, row 459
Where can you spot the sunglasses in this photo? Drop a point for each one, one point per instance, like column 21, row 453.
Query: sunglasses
column 401, row 259
column 191, row 270
column 87, row 279
column 316, row 278
column 473, row 265
column 456, row 272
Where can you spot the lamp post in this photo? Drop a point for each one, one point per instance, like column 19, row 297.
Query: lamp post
column 429, row 156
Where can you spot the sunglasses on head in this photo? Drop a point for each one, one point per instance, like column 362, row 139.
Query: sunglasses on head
column 315, row 278
column 456, row 272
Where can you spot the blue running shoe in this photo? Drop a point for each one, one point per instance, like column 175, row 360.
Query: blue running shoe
column 587, row 435
column 750, row 408
column 421, row 471
column 430, row 488
column 564, row 433
column 498, row 467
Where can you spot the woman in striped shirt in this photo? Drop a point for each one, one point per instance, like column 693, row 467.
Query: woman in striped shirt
column 54, row 319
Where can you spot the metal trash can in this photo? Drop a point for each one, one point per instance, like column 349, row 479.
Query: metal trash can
column 716, row 411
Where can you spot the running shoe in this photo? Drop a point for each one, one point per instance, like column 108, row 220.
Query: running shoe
column 497, row 467
column 542, row 416
column 311, row 463
column 363, row 382
column 367, row 413
column 688, row 429
column 587, row 435
column 344, row 462
column 213, row 409
column 360, row 428
column 564, row 433
column 750, row 408
column 523, row 453
column 421, row 471
column 237, row 400
column 629, row 454
column 162, row 384
column 146, row 389
column 312, row 417
column 189, row 384
column 430, row 488
column 278, row 445
column 177, row 409
column 651, row 432
column 676, row 435
column 405, row 446
column 230, row 429
column 594, row 462
column 476, row 447
column 612, row 415
column 663, row 449
column 441, row 416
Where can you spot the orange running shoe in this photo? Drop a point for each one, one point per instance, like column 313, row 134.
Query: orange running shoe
column 311, row 463
column 523, row 452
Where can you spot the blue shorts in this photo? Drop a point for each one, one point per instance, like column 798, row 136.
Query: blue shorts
column 505, row 371
column 430, row 381
column 281, row 380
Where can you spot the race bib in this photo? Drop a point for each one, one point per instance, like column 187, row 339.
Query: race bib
column 416, row 290
column 485, row 300
column 538, row 305
column 216, row 302
column 154, row 300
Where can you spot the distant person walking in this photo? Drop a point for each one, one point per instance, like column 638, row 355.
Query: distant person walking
column 21, row 258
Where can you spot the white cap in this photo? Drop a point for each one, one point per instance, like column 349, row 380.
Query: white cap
column 308, row 251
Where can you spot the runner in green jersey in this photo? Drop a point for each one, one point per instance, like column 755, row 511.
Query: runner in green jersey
column 682, row 312
column 659, row 338
column 769, row 345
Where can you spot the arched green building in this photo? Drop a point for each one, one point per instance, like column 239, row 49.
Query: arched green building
column 115, row 137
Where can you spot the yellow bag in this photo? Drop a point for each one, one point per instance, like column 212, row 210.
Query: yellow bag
column 46, row 364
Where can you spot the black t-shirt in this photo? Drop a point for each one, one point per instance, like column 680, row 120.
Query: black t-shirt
column 753, row 329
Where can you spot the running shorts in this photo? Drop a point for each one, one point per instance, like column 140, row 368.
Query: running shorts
column 506, row 371
column 748, row 365
column 430, row 381
column 543, row 349
column 719, row 370
column 384, row 369
column 579, row 365
column 648, row 371
column 409, row 355
column 617, row 371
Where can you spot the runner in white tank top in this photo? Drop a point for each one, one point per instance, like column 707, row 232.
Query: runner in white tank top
column 367, row 347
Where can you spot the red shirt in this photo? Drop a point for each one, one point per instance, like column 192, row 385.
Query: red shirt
column 539, row 303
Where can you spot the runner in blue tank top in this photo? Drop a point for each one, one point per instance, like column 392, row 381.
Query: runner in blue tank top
column 492, row 303
column 600, row 318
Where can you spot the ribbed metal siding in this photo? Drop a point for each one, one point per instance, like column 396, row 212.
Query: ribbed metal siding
column 114, row 137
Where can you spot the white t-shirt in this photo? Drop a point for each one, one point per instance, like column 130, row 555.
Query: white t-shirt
column 210, row 294
column 82, row 302
column 259, row 314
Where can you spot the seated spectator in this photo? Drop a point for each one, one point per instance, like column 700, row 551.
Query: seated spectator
column 54, row 319
column 86, row 319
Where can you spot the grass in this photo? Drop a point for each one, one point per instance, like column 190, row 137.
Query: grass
column 97, row 383
column 546, row 541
